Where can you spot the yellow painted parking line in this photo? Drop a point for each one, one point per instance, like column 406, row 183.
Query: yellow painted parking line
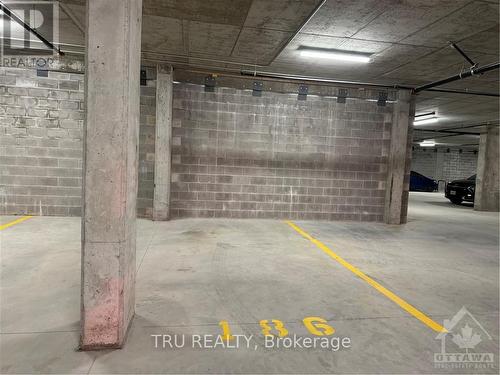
column 394, row 298
column 17, row 221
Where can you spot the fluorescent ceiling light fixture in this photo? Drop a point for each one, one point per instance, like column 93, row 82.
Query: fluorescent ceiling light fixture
column 427, row 143
column 334, row 54
column 425, row 121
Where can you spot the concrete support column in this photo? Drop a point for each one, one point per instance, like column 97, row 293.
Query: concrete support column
column 398, row 174
column 487, row 178
column 113, row 44
column 163, row 142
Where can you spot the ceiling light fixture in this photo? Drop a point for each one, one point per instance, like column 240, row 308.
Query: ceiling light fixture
column 425, row 121
column 427, row 143
column 334, row 54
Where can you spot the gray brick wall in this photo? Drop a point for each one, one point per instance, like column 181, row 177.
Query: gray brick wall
column 235, row 155
column 147, row 147
column 444, row 165
column 458, row 165
column 41, row 125
column 424, row 162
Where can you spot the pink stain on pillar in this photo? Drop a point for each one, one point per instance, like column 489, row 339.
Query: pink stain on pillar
column 103, row 322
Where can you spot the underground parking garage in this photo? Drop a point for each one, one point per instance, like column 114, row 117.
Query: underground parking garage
column 249, row 186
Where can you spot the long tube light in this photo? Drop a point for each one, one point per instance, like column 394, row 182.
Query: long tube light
column 428, row 143
column 335, row 55
column 425, row 121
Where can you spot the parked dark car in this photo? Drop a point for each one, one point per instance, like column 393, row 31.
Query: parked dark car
column 419, row 182
column 461, row 190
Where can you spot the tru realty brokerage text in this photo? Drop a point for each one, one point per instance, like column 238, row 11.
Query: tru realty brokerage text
column 250, row 342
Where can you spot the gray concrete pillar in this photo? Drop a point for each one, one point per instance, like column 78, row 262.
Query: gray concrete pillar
column 399, row 163
column 163, row 142
column 487, row 178
column 113, row 44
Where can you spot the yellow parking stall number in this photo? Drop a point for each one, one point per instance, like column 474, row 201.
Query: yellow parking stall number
column 314, row 324
column 226, row 330
column 278, row 326
column 318, row 326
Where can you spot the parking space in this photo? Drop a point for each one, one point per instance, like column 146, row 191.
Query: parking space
column 241, row 277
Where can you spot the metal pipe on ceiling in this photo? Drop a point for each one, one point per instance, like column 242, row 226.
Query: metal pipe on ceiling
column 466, row 92
column 427, row 87
column 445, row 131
column 453, row 131
column 472, row 126
column 293, row 77
column 469, row 144
column 325, row 83
column 255, row 73
column 449, row 132
column 464, row 55
column 468, row 73
column 487, row 123
column 301, row 78
column 263, row 74
column 425, row 114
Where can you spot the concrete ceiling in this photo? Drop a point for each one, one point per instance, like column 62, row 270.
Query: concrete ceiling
column 409, row 40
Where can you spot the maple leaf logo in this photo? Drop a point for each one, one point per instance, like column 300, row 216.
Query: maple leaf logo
column 466, row 340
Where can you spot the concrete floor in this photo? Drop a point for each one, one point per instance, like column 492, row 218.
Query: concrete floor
column 194, row 273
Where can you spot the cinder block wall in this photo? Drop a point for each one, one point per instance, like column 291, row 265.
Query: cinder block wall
column 444, row 165
column 41, row 130
column 41, row 121
column 235, row 155
column 147, row 147
column 458, row 165
column 424, row 162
